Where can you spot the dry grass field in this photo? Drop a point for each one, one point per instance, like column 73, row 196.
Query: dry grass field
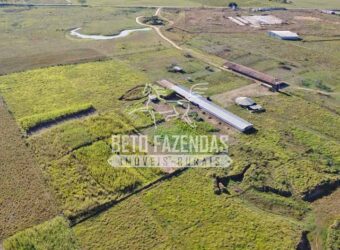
column 278, row 185
column 25, row 199
column 40, row 36
column 198, row 3
column 311, row 63
column 184, row 213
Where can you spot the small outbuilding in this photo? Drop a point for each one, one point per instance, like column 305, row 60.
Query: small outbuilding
column 153, row 98
column 244, row 102
column 176, row 69
column 233, row 6
column 284, row 35
column 248, row 103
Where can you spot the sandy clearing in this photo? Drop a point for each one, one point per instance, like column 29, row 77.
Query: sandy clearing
column 252, row 90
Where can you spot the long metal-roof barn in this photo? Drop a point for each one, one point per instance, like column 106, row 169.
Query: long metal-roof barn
column 275, row 83
column 209, row 107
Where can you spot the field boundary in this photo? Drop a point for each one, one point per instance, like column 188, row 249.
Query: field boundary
column 85, row 215
column 58, row 120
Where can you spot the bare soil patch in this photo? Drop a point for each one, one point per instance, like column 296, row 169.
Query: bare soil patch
column 252, row 90
column 198, row 21
column 307, row 18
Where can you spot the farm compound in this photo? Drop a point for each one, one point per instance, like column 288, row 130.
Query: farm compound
column 209, row 107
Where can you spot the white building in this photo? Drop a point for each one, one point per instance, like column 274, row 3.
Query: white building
column 209, row 107
column 284, row 35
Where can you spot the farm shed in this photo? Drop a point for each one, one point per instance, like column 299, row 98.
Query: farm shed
column 209, row 107
column 176, row 69
column 331, row 12
column 284, row 35
column 248, row 103
column 244, row 101
column 275, row 83
column 268, row 9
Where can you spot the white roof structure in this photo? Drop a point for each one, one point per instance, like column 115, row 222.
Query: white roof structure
column 209, row 107
column 285, row 35
column 244, row 101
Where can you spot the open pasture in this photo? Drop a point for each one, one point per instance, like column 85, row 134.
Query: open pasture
column 25, row 199
column 39, row 37
column 185, row 213
column 156, row 65
column 53, row 234
column 84, row 179
column 277, row 173
column 51, row 89
column 292, row 153
column 311, row 63
column 200, row 3
column 74, row 154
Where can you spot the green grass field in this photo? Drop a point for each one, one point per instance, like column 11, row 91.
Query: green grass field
column 198, row 3
column 84, row 179
column 291, row 152
column 74, row 154
column 185, row 213
column 156, row 63
column 25, row 198
column 53, row 234
column 53, row 44
column 333, row 237
column 310, row 63
column 281, row 168
column 50, row 89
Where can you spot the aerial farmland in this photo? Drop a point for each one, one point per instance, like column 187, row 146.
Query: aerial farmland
column 159, row 124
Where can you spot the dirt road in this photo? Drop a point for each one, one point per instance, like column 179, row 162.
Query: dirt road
column 159, row 32
column 198, row 55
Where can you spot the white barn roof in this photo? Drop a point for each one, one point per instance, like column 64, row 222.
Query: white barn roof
column 210, row 107
column 285, row 35
column 244, row 101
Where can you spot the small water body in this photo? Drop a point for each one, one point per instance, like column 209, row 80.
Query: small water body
column 123, row 33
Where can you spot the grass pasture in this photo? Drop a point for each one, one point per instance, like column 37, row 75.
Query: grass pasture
column 36, row 121
column 84, row 179
column 293, row 157
column 156, row 63
column 40, row 36
column 311, row 63
column 48, row 90
column 74, row 154
column 333, row 237
column 25, row 199
column 184, row 213
column 200, row 3
column 53, row 234
column 291, row 152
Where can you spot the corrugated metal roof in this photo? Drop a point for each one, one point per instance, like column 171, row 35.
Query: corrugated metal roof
column 244, row 101
column 210, row 107
column 253, row 74
column 284, row 33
